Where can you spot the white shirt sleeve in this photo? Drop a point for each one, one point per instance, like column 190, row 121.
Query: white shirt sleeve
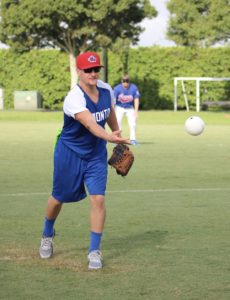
column 74, row 102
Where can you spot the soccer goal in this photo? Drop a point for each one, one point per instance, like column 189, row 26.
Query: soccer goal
column 197, row 80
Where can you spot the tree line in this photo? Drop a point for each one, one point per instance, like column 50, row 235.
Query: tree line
column 76, row 26
column 71, row 27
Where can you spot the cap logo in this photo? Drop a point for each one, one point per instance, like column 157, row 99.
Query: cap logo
column 92, row 59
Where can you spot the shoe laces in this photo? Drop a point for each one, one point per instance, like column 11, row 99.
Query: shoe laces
column 95, row 255
column 47, row 241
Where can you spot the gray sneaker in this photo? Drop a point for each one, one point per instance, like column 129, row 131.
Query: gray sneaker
column 95, row 260
column 46, row 248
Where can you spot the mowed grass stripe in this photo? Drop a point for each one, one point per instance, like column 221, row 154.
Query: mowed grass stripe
column 131, row 191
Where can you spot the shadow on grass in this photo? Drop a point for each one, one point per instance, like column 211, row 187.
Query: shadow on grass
column 149, row 238
column 146, row 143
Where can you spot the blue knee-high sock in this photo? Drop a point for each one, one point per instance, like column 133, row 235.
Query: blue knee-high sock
column 95, row 241
column 48, row 227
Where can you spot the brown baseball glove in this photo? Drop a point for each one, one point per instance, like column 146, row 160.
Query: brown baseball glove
column 121, row 159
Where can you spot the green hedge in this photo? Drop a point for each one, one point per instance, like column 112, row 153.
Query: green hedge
column 46, row 71
column 151, row 68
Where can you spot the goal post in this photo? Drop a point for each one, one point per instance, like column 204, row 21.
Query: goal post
column 197, row 80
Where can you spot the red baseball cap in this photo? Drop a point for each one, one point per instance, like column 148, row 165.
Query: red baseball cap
column 88, row 60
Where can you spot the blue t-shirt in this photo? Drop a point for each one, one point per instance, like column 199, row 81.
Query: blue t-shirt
column 125, row 97
column 74, row 135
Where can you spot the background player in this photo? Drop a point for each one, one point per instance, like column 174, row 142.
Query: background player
column 127, row 103
column 80, row 156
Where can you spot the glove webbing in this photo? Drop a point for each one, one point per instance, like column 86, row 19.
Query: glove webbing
column 118, row 154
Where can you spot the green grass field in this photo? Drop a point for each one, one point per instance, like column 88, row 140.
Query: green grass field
column 167, row 228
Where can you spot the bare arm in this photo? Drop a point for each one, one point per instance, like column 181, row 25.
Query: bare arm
column 87, row 120
column 112, row 120
column 136, row 106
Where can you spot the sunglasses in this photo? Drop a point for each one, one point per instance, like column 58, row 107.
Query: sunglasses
column 90, row 70
column 125, row 80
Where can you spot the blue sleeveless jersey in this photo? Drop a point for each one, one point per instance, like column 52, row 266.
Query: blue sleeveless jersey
column 80, row 140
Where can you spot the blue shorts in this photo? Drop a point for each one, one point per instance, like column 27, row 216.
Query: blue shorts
column 72, row 174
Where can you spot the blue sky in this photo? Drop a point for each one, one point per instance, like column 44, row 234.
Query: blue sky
column 155, row 29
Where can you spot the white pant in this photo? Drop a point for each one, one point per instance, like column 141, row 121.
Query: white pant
column 130, row 114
